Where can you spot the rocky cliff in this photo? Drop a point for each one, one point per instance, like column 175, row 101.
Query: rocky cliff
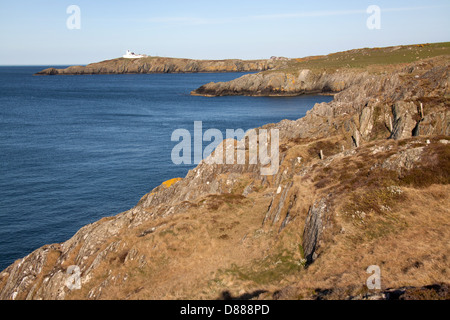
column 164, row 65
column 323, row 74
column 362, row 180
column 280, row 83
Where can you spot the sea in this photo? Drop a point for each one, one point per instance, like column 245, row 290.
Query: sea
column 74, row 149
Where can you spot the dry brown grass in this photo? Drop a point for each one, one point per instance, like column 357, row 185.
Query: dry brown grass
column 413, row 252
column 218, row 244
column 185, row 252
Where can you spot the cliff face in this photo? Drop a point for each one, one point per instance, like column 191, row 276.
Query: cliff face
column 362, row 180
column 164, row 65
column 324, row 74
column 279, row 83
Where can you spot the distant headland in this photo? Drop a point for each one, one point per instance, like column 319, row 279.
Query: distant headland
column 132, row 63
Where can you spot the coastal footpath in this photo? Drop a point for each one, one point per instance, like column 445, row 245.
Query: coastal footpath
column 164, row 65
column 362, row 181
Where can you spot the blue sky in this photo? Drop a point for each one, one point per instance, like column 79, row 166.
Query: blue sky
column 35, row 32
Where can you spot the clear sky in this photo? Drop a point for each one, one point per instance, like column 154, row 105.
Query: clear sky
column 34, row 32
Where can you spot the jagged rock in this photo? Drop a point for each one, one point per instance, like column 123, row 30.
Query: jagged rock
column 435, row 124
column 283, row 84
column 357, row 138
column 366, row 122
column 314, row 225
column 277, row 204
column 404, row 160
column 404, row 123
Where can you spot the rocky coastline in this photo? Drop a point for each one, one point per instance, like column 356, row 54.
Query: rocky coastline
column 362, row 180
column 164, row 65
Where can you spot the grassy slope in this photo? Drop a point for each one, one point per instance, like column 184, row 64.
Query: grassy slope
column 219, row 247
column 369, row 57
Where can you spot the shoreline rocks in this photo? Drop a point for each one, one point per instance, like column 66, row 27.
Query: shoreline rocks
column 279, row 83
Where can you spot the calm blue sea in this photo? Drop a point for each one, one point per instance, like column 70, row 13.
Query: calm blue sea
column 74, row 149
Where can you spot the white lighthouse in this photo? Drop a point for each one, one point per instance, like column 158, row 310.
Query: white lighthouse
column 132, row 55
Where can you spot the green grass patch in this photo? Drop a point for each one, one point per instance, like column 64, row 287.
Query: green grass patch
column 270, row 269
column 362, row 58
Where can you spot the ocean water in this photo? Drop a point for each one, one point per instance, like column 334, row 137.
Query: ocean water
column 74, row 149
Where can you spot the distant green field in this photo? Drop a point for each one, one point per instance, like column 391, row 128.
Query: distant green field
column 362, row 58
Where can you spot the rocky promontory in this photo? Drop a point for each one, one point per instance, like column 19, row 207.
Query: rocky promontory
column 363, row 181
column 280, row 83
column 164, row 65
column 323, row 74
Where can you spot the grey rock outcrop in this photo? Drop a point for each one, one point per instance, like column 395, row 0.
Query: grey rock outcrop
column 278, row 83
column 365, row 110
column 314, row 225
column 404, row 123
